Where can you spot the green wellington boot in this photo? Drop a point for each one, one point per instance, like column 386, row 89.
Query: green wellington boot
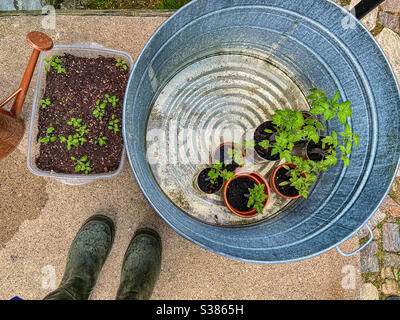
column 141, row 266
column 86, row 257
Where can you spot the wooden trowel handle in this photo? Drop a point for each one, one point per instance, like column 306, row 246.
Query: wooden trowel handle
column 39, row 42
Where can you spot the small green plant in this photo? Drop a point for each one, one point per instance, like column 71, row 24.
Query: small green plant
column 291, row 127
column 49, row 138
column 82, row 130
column 113, row 124
column 216, row 172
column 71, row 140
column 122, row 64
column 100, row 109
column 78, row 138
column 302, row 176
column 329, row 107
column 113, row 100
column 54, row 62
column 75, row 122
column 257, row 197
column 82, row 165
column 45, row 102
column 101, row 141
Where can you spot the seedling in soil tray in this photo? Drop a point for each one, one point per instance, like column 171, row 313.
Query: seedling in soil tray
column 83, row 104
column 71, row 141
column 45, row 102
column 100, row 109
column 82, row 165
column 113, row 100
column 75, row 122
column 122, row 64
column 54, row 62
column 49, row 138
column 78, row 138
column 113, row 124
column 101, row 141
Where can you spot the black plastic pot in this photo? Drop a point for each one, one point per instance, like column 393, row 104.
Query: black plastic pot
column 203, row 182
column 314, row 151
column 260, row 135
column 310, row 150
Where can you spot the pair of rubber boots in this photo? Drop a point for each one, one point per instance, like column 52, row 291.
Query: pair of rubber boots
column 88, row 252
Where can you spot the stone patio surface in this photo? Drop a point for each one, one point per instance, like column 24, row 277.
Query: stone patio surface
column 40, row 217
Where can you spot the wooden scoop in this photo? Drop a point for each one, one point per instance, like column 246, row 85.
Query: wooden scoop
column 11, row 125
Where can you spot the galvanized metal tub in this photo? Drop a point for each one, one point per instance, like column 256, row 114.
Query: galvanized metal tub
column 315, row 44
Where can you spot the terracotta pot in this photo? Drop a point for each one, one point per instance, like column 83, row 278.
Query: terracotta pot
column 271, row 180
column 227, row 144
column 257, row 178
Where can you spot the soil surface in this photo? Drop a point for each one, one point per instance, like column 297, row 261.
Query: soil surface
column 238, row 193
column 204, row 182
column 260, row 135
column 281, row 176
column 74, row 94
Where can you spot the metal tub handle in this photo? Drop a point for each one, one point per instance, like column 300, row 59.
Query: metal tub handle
column 371, row 237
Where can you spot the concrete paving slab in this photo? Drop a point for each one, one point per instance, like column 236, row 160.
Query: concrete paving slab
column 33, row 254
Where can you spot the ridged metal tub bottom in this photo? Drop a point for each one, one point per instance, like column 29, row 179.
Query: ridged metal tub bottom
column 220, row 98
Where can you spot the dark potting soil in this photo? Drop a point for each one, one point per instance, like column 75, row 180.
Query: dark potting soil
column 238, row 193
column 222, row 155
column 204, row 182
column 260, row 135
column 283, row 175
column 73, row 95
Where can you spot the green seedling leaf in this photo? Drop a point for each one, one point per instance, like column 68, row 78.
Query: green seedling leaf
column 264, row 144
column 257, row 198
column 336, row 96
column 342, row 117
column 356, row 139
